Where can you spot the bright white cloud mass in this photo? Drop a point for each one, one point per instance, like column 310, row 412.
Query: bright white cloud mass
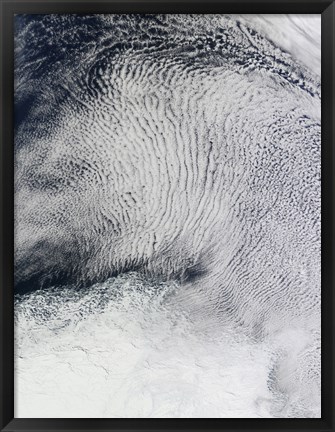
column 167, row 216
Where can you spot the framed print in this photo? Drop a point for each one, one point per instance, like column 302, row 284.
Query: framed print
column 167, row 215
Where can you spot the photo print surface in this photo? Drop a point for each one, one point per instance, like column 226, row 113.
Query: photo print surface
column 167, row 216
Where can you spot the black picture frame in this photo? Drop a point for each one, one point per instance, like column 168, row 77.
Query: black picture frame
column 10, row 7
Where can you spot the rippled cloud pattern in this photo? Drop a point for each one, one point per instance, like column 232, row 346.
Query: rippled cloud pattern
column 167, row 216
